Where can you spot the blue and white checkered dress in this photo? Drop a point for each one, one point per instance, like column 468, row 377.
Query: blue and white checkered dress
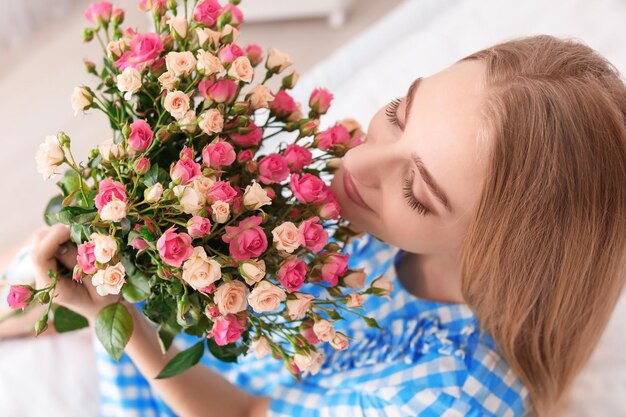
column 428, row 361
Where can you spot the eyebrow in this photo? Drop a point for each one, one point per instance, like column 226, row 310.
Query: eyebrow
column 409, row 102
column 428, row 179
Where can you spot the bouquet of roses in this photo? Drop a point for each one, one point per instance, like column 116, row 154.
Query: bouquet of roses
column 181, row 209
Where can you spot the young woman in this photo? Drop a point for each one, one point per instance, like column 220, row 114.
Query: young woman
column 494, row 197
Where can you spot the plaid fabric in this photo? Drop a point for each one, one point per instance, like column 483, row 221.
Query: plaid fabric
column 430, row 359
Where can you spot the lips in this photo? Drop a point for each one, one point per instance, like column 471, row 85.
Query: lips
column 352, row 191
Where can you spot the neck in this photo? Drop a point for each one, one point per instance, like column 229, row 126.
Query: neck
column 431, row 277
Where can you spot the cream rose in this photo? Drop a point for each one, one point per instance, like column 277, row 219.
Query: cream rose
column 260, row 97
column 261, row 347
column 168, row 80
column 277, row 60
column 384, row 284
column 178, row 24
column 111, row 151
column 297, row 309
column 231, row 297
column 188, row 122
column 176, row 103
column 129, row 82
column 115, row 49
column 153, row 193
column 241, row 69
column 311, row 362
column 208, row 63
column 208, row 35
column 49, row 156
column 180, row 63
column 211, row 121
column 199, row 270
column 286, row 237
column 254, row 197
column 190, row 200
column 354, row 300
column 105, row 247
column 81, row 99
column 109, row 280
column 340, row 341
column 221, row 211
column 266, row 297
column 202, row 185
column 356, row 279
column 252, row 271
column 228, row 29
column 113, row 211
column 324, row 330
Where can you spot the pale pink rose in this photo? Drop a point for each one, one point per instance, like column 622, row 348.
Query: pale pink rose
column 145, row 48
column 252, row 271
column 81, row 99
column 221, row 191
column 311, row 362
column 109, row 280
column 211, row 121
column 99, row 12
column 261, row 347
column 200, row 271
column 354, row 300
column 190, row 200
column 352, row 126
column 241, row 69
column 188, row 122
column 231, row 297
column 113, row 211
column 19, row 296
column 49, row 156
column 309, row 188
column 277, row 60
column 198, row 226
column 174, row 248
column 260, row 97
column 312, row 234
column 180, row 63
column 86, row 258
column 220, row 211
column 320, row 99
column 176, row 103
column 230, row 30
column 105, row 247
column 153, row 193
column 297, row 157
column 356, row 279
column 254, row 53
column 208, row 37
column 283, row 104
column 324, row 330
column 297, row 309
column 107, row 191
column 178, row 24
column 208, row 63
column 155, row 6
column 168, row 80
column 129, row 82
column 115, row 49
column 207, row 12
column 340, row 341
column 306, row 330
column 252, row 137
column 111, row 151
column 218, row 154
column 266, row 297
column 273, row 169
column 247, row 240
column 296, row 115
column 227, row 329
column 221, row 91
column 289, row 81
column 255, row 197
column 292, row 274
column 334, row 265
column 286, row 237
column 141, row 135
column 229, row 53
column 185, row 170
column 203, row 185
column 383, row 284
column 309, row 128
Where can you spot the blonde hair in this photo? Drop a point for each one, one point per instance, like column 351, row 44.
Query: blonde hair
column 543, row 261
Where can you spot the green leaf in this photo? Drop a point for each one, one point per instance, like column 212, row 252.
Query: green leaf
column 69, row 182
column 371, row 322
column 114, row 326
column 183, row 361
column 137, row 288
column 127, row 262
column 65, row 320
column 333, row 314
column 54, row 205
column 147, row 235
column 226, row 353
column 166, row 337
column 68, row 200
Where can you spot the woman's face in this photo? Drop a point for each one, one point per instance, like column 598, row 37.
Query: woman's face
column 436, row 132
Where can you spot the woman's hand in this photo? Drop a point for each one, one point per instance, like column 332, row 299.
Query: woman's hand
column 52, row 245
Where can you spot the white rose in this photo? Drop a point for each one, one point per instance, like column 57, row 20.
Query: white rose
column 311, row 362
column 190, row 200
column 211, row 121
column 297, row 309
column 176, row 103
column 81, row 99
column 208, row 63
column 261, row 347
column 260, row 97
column 199, row 271
column 180, row 63
column 111, row 151
column 266, row 297
column 277, row 60
column 254, row 197
column 231, row 297
column 241, row 69
column 252, row 271
column 168, row 80
column 178, row 24
column 129, row 82
column 188, row 122
column 105, row 247
column 109, row 280
column 286, row 237
column 153, row 193
column 49, row 156
column 221, row 211
column 113, row 211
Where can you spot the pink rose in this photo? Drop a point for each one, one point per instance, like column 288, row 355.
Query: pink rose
column 19, row 296
column 235, row 12
column 297, row 157
column 336, row 135
column 334, row 265
column 273, row 169
column 107, row 191
column 320, row 100
column 99, row 12
column 306, row 330
column 199, row 226
column 251, row 137
column 142, row 165
column 254, row 53
column 153, row 5
column 245, row 155
column 247, row 240
column 207, row 12
column 221, row 191
column 218, row 154
column 141, row 135
column 309, row 188
column 340, row 341
column 174, row 248
column 312, row 234
column 229, row 53
column 283, row 104
column 227, row 329
column 329, row 210
column 222, row 91
column 145, row 48
column 292, row 274
column 185, row 171
column 86, row 257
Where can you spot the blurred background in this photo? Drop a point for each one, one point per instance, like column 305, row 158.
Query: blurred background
column 366, row 52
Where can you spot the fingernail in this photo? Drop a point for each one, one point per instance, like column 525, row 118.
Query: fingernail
column 63, row 249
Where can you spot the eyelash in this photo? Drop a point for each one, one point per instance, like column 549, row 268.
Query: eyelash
column 391, row 111
column 410, row 197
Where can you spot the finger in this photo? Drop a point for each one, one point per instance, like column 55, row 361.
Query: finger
column 66, row 254
column 44, row 250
